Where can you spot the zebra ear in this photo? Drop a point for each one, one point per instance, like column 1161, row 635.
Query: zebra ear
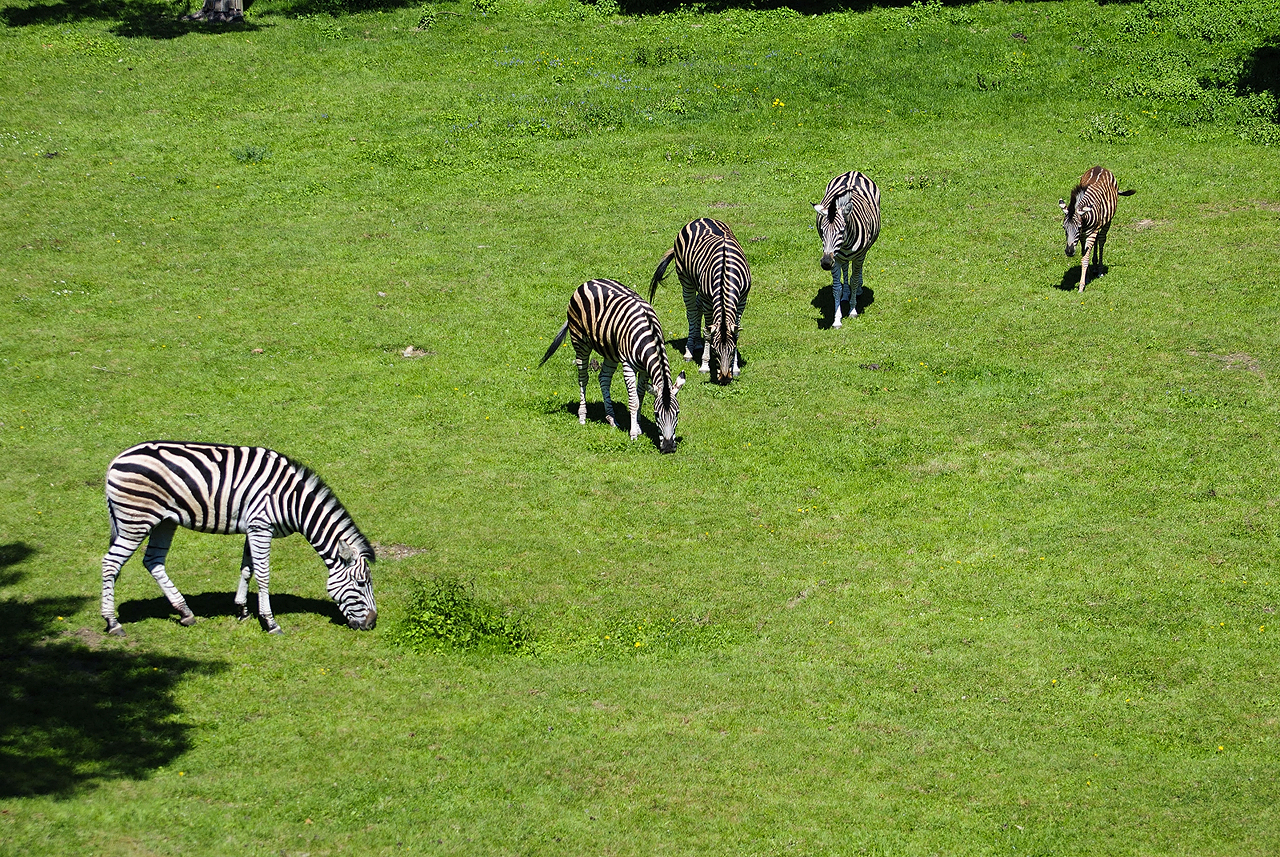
column 831, row 210
column 345, row 551
column 1062, row 203
column 679, row 381
column 817, row 206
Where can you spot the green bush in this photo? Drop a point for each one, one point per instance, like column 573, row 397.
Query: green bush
column 444, row 613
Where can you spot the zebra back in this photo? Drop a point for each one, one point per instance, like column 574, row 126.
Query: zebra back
column 849, row 215
column 710, row 262
column 607, row 317
column 220, row 488
column 1092, row 206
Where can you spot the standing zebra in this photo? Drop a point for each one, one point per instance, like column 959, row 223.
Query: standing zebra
column 608, row 317
column 848, row 223
column 1093, row 204
column 216, row 488
column 715, row 278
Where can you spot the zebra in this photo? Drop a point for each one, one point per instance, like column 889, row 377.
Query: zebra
column 848, row 223
column 608, row 317
column 154, row 487
column 1093, row 204
column 715, row 279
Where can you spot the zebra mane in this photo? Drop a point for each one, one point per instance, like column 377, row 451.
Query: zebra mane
column 353, row 536
column 1075, row 195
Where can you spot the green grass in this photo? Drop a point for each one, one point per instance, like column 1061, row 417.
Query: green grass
column 991, row 569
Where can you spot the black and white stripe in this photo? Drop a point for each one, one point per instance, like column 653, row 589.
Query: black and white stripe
column 153, row 488
column 611, row 319
column 1093, row 204
column 715, row 280
column 848, row 223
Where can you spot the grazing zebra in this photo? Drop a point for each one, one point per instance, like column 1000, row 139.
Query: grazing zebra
column 608, row 317
column 715, row 279
column 1093, row 204
column 216, row 488
column 848, row 223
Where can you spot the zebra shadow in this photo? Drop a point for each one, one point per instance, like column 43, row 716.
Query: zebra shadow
column 827, row 312
column 596, row 414
column 209, row 605
column 680, row 343
column 1071, row 279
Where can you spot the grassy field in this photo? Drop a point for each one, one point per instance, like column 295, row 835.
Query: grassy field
column 990, row 570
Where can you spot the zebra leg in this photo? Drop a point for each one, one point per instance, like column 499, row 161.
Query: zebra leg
column 704, row 312
column 1085, row 253
column 242, row 588
column 260, row 550
column 853, row 285
column 607, row 368
column 122, row 547
column 693, row 312
column 1102, row 240
column 153, row 559
column 838, row 288
column 583, row 372
column 635, row 395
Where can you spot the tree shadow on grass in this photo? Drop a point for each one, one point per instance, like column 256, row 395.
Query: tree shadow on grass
column 78, row 709
column 208, row 605
column 148, row 19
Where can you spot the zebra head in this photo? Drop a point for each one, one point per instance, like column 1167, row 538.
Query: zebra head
column 831, row 227
column 665, row 411
column 1071, row 223
column 351, row 585
column 724, row 342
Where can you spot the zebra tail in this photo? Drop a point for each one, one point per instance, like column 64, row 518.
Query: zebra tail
column 556, row 343
column 111, row 516
column 660, row 273
column 1129, row 192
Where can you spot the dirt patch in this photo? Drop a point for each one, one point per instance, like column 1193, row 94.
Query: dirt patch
column 396, row 551
column 1235, row 360
column 1144, row 224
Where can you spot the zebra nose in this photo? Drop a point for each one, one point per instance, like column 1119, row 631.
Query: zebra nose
column 827, row 262
column 370, row 620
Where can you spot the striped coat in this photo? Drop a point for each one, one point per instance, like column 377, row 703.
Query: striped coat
column 153, row 488
column 715, row 279
column 1088, row 216
column 607, row 317
column 848, row 224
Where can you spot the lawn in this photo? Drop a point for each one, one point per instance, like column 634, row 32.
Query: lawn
column 990, row 569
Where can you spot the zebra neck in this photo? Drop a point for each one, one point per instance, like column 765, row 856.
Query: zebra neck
column 318, row 515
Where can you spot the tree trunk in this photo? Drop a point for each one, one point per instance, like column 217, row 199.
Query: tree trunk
column 219, row 12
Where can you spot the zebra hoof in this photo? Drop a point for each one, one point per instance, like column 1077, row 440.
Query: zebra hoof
column 187, row 620
column 836, row 324
column 114, row 628
column 274, row 628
